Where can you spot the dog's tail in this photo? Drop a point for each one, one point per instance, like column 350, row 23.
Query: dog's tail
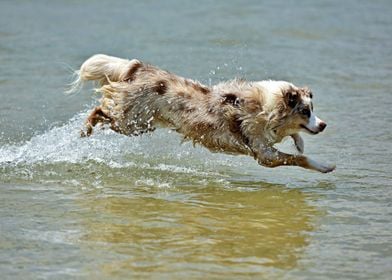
column 101, row 68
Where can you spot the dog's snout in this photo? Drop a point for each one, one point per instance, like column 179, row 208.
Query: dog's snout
column 322, row 126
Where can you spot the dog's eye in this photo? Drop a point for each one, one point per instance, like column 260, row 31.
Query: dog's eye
column 305, row 112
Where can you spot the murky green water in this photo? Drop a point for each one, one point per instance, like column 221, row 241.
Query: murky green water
column 114, row 207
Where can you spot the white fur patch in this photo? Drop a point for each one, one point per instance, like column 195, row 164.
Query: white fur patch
column 307, row 100
column 273, row 88
column 314, row 123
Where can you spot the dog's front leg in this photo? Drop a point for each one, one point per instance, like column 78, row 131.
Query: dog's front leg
column 271, row 157
column 299, row 142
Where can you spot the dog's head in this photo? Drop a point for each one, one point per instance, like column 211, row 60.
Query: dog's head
column 298, row 111
column 273, row 109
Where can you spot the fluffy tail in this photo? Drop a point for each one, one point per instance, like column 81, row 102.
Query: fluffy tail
column 101, row 68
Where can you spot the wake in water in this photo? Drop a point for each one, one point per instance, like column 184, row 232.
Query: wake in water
column 61, row 154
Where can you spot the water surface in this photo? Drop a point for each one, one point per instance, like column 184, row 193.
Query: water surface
column 111, row 206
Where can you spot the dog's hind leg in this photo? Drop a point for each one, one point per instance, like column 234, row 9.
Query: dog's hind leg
column 96, row 116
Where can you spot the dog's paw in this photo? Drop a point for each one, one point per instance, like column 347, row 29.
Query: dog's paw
column 326, row 168
column 321, row 167
column 86, row 131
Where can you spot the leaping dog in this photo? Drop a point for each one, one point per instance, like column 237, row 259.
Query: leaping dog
column 235, row 117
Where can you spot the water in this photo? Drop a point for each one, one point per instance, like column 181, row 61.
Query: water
column 112, row 207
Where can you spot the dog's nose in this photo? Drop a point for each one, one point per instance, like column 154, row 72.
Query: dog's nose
column 322, row 126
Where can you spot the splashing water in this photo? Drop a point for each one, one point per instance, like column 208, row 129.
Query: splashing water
column 61, row 154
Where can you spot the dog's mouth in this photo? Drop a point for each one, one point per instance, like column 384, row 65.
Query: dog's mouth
column 309, row 130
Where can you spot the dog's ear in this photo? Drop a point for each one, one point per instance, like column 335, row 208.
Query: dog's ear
column 291, row 98
column 231, row 98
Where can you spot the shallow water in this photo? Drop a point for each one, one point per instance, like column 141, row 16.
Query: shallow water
column 110, row 206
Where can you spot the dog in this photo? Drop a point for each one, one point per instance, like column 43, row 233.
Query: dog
column 234, row 117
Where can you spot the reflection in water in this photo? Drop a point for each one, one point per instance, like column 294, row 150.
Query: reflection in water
column 236, row 231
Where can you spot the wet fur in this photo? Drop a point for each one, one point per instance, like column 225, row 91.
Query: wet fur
column 236, row 117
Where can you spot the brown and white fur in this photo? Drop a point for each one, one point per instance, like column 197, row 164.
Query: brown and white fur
column 235, row 117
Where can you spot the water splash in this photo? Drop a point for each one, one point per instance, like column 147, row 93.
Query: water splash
column 60, row 154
